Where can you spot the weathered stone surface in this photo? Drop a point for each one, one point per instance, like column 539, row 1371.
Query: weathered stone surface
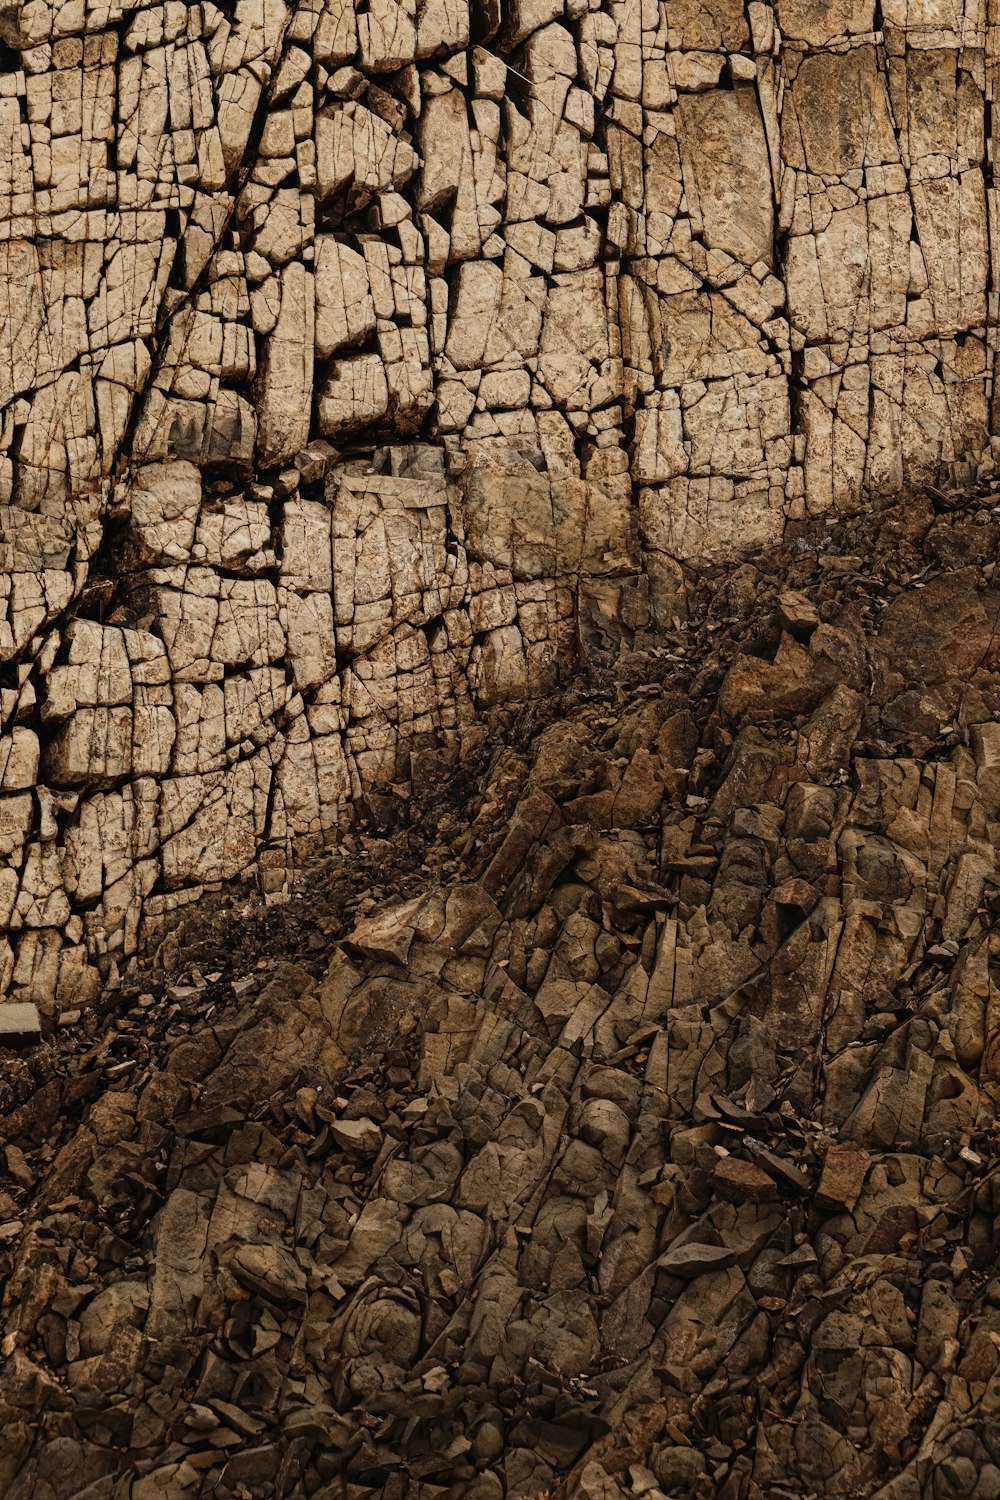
column 380, row 388
column 624, row 1121
column 19, row 1024
column 640, row 288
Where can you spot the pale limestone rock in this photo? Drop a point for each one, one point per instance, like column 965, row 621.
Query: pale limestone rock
column 442, row 27
column 476, row 309
column 727, row 173
column 354, row 396
column 695, row 71
column 656, row 279
column 387, row 35
column 574, row 352
column 93, row 746
column 19, row 755
column 345, row 314
column 355, row 148
column 236, row 535
column 284, row 386
column 336, row 35
column 445, row 149
column 166, row 499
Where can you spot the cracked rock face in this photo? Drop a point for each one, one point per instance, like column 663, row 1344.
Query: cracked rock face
column 623, row 1124
column 364, row 368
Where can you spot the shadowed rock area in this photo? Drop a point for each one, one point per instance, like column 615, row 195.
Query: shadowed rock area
column 614, row 1117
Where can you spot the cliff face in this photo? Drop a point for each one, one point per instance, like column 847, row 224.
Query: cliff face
column 623, row 1128
column 361, row 368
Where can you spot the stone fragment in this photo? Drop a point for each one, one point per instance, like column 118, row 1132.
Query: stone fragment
column 362, row 1135
column 844, row 1168
column 798, row 614
column 355, row 396
column 693, row 1260
column 742, row 1181
column 20, row 1024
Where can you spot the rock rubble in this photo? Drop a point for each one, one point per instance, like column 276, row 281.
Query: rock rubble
column 615, row 1118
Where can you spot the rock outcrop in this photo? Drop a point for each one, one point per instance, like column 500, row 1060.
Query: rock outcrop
column 363, row 367
column 619, row 1120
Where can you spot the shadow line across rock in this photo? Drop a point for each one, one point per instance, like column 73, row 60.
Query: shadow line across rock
column 618, row 1118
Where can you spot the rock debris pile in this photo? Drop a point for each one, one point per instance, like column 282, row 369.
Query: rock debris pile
column 619, row 1120
column 639, row 281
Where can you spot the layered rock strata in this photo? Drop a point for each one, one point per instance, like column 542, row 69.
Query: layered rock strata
column 623, row 1125
column 639, row 283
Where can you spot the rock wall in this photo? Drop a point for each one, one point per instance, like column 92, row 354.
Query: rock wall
column 361, row 367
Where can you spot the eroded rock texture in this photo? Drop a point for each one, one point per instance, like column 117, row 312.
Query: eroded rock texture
column 623, row 1125
column 634, row 284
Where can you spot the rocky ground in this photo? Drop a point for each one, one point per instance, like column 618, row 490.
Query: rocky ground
column 616, row 1117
